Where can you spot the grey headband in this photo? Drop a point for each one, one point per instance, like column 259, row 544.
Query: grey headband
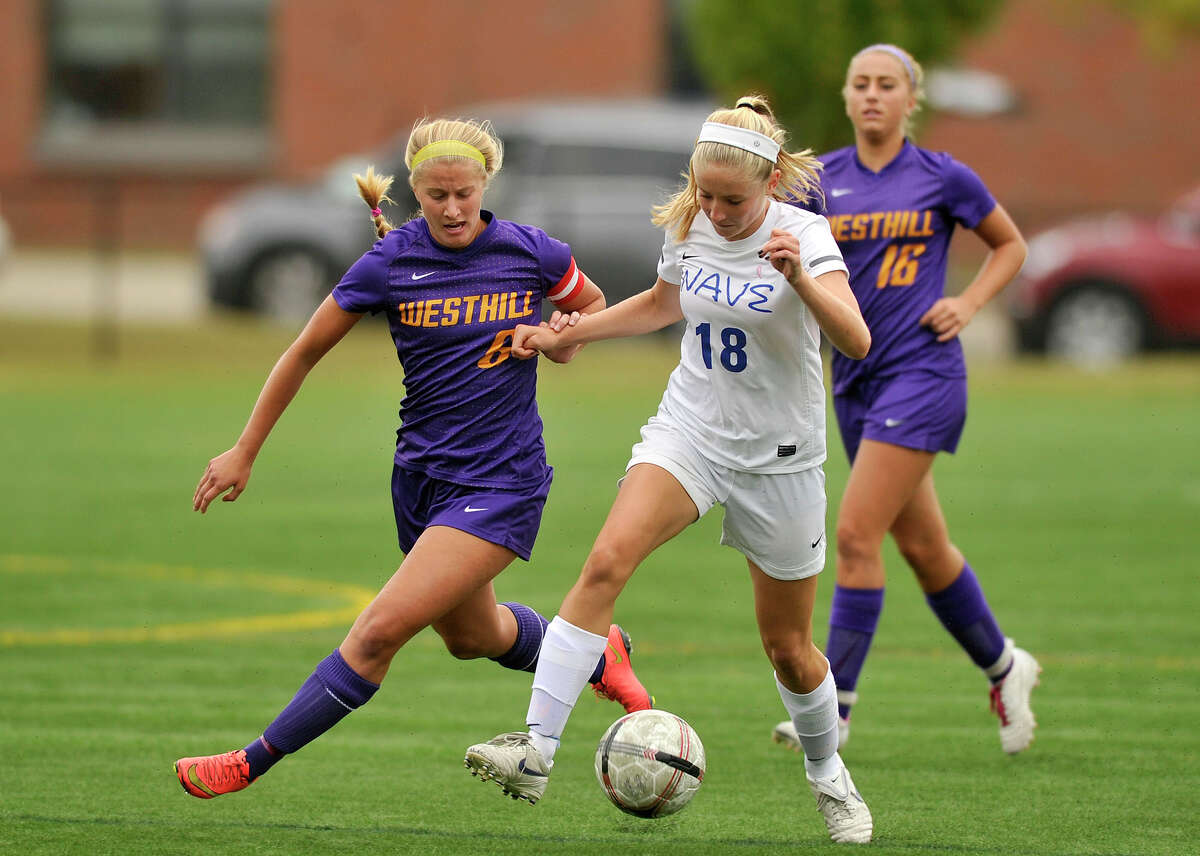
column 898, row 53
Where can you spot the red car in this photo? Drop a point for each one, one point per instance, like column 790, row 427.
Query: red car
column 1097, row 291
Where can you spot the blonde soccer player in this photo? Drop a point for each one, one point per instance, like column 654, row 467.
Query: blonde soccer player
column 893, row 207
column 469, row 474
column 741, row 424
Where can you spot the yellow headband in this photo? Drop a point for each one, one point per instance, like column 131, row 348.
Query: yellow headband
column 448, row 148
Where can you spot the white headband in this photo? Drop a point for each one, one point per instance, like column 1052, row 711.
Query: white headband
column 742, row 138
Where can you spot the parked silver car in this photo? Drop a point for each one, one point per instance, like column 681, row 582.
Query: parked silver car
column 587, row 171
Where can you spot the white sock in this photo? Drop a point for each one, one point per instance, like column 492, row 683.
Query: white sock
column 568, row 657
column 1003, row 663
column 815, row 716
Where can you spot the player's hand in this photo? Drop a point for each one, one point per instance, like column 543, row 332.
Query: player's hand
column 559, row 320
column 228, row 471
column 528, row 340
column 948, row 317
column 782, row 250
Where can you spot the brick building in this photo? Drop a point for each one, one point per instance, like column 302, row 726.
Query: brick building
column 203, row 98
column 129, row 119
column 1103, row 122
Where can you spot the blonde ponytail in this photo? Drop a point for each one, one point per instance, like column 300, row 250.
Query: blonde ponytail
column 373, row 189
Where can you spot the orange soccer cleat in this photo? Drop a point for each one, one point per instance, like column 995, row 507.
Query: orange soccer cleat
column 618, row 682
column 212, row 775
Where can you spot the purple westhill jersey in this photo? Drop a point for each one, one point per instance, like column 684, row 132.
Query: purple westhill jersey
column 469, row 413
column 894, row 228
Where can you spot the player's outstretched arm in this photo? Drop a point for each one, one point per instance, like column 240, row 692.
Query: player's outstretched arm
column 645, row 312
column 230, row 471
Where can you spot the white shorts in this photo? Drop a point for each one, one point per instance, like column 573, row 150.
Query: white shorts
column 776, row 520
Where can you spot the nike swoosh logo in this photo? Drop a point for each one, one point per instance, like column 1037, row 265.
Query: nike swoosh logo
column 692, row 256
column 616, row 653
column 840, row 191
column 892, row 423
column 194, row 778
column 818, row 541
column 423, row 275
column 838, row 785
column 469, row 509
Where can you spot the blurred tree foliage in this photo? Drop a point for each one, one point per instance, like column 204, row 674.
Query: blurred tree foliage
column 1164, row 23
column 795, row 51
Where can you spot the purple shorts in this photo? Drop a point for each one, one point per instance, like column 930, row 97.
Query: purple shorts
column 510, row 518
column 916, row 410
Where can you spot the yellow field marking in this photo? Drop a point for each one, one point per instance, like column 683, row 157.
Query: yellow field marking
column 354, row 599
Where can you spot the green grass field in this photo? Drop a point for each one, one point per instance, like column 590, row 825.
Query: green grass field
column 134, row 631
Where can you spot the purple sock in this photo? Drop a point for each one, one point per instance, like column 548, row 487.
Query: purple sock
column 260, row 757
column 963, row 611
column 852, row 622
column 330, row 692
column 531, row 629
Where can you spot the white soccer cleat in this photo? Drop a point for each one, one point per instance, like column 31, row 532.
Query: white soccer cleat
column 785, row 734
column 846, row 814
column 1010, row 702
column 512, row 762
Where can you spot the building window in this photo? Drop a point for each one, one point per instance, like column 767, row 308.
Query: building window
column 174, row 69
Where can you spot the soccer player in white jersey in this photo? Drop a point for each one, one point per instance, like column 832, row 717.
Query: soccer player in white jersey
column 742, row 423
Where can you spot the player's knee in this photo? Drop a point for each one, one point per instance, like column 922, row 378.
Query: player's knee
column 925, row 555
column 465, row 646
column 917, row 552
column 464, row 649
column 377, row 639
column 787, row 664
column 607, row 568
column 802, row 670
column 856, row 542
column 789, row 655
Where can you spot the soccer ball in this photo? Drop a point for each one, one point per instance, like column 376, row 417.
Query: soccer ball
column 650, row 763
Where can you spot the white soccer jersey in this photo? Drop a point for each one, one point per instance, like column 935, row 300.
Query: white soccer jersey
column 749, row 390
